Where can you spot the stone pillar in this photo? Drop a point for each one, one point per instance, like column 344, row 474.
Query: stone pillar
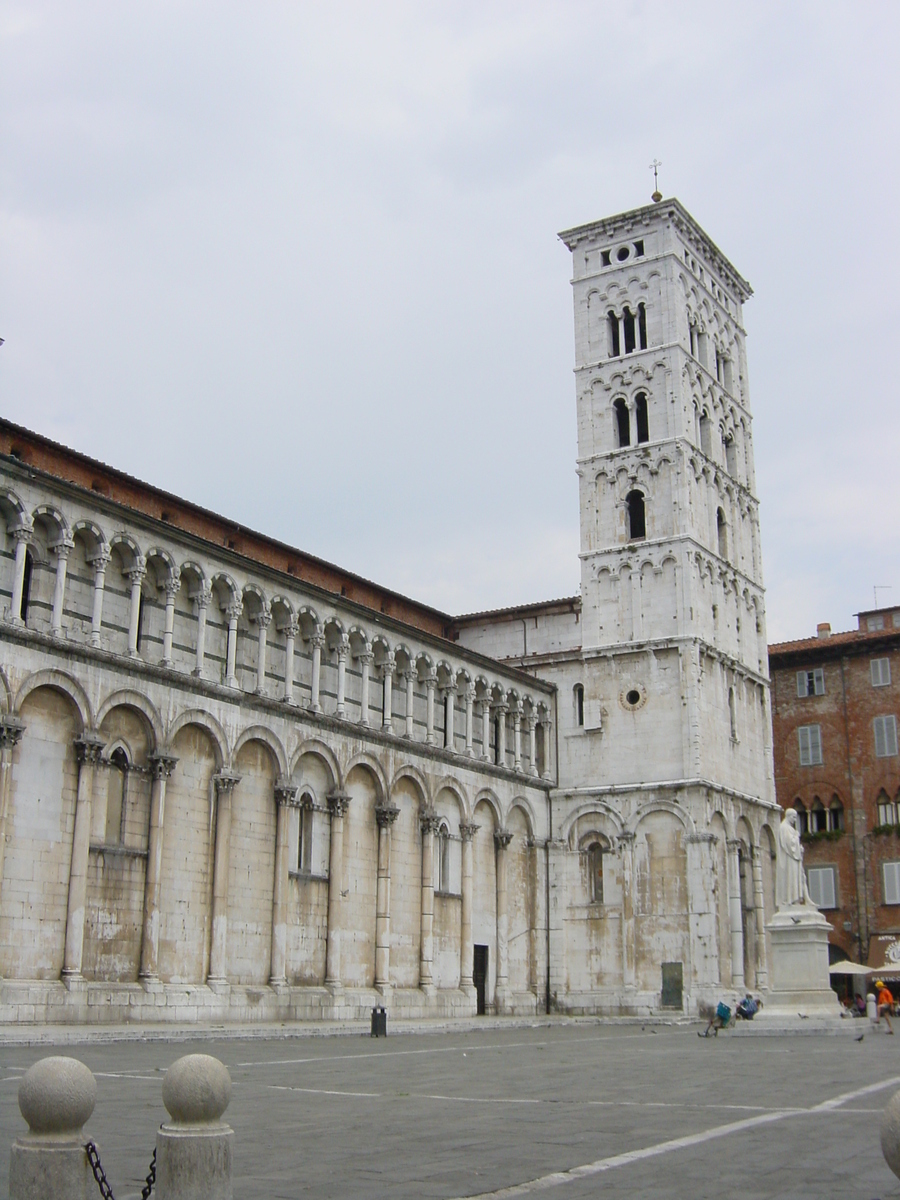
column 342, row 649
column 62, row 548
column 11, row 730
column 366, row 658
column 626, row 849
column 136, row 578
column 486, row 727
column 430, row 683
column 557, row 907
column 263, row 617
column 338, row 803
column 173, row 583
column 194, row 1152
column 466, row 948
column 317, row 641
column 449, row 716
column 470, row 719
column 290, row 637
column 759, row 901
column 735, row 915
column 502, row 710
column 531, row 722
column 410, row 675
column 56, row 1097
column 161, row 767
column 547, row 727
column 285, row 799
column 385, row 815
column 517, row 735
column 502, row 838
column 387, row 670
column 88, row 748
column 224, row 783
column 430, row 824
column 233, row 614
column 99, row 562
column 23, row 537
column 203, row 596
column 701, row 903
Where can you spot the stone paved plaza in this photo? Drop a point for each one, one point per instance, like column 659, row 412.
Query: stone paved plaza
column 469, row 1112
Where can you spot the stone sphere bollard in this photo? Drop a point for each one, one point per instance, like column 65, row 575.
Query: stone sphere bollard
column 194, row 1151
column 56, row 1098
column 890, row 1134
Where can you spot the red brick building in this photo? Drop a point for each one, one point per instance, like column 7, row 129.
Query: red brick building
column 835, row 706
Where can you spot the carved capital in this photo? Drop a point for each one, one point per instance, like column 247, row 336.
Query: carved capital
column 203, row 595
column 63, row 547
column 449, row 690
column 233, row 611
column 290, row 629
column 699, row 839
column 502, row 838
column 431, row 679
column 225, row 781
column 88, row 747
column 626, row 838
column 317, row 638
column 23, row 533
column 342, row 648
column 172, row 586
column 338, row 802
column 11, row 730
column 531, row 720
column 365, row 658
column 263, row 617
column 470, row 693
column 467, row 830
column 137, row 572
column 734, row 844
column 386, row 815
column 502, row 710
column 388, row 665
column 429, row 820
column 161, row 765
column 286, row 792
column 99, row 560
column 411, row 673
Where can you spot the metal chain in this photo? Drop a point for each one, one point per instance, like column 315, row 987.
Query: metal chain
column 103, row 1183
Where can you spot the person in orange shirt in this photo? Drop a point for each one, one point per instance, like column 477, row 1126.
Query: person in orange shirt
column 885, row 1002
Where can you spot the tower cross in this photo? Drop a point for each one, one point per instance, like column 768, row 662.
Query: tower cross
column 654, row 167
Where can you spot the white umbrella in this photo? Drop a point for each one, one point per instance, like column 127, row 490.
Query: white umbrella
column 851, row 968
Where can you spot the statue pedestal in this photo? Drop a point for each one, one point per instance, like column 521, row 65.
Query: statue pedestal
column 799, row 965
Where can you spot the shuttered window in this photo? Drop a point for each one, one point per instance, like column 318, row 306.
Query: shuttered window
column 822, row 891
column 811, row 683
column 891, row 882
column 810, row 739
column 885, row 736
column 881, row 672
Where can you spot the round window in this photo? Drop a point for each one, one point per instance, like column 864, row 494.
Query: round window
column 633, row 697
column 622, row 253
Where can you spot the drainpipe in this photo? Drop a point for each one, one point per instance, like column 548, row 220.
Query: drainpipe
column 862, row 898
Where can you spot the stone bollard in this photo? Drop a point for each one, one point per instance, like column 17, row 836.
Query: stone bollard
column 49, row 1162
column 890, row 1134
column 193, row 1153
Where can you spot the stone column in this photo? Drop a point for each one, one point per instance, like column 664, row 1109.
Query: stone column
column 704, row 971
column 88, row 748
column 410, row 675
column 290, row 637
column 224, row 784
column 470, row 719
column 557, row 909
column 23, row 537
column 486, row 727
column 11, row 730
column 387, row 670
column 449, row 716
column 626, row 848
column 385, row 815
column 99, row 562
column 430, row 683
column 62, row 548
column 531, row 723
column 263, row 617
column 735, row 915
column 136, row 578
column 759, row 901
column 342, row 649
column 233, row 614
column 430, row 823
column 466, row 950
column 502, row 838
column 317, row 641
column 502, row 710
column 366, row 658
column 285, row 799
column 173, row 583
column 338, row 803
column 517, row 735
column 547, row 727
column 161, row 767
column 203, row 596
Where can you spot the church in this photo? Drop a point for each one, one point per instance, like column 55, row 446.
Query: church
column 239, row 783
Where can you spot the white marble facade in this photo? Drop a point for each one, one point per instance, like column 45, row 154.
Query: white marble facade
column 229, row 794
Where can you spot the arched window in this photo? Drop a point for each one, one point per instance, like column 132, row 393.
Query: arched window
column 630, row 327
column 802, row 815
column 596, row 850
column 443, row 857
column 578, row 695
column 642, row 327
column 497, row 740
column 818, row 818
column 26, row 585
column 722, row 532
column 623, row 430
column 116, row 795
column 640, row 418
column 835, row 815
column 730, row 456
column 732, row 714
column 613, row 325
column 140, row 622
column 637, row 525
column 304, row 833
column 705, row 444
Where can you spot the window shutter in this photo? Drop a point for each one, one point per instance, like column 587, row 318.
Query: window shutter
column 892, row 883
column 890, row 736
column 881, row 672
column 880, row 742
column 803, row 733
column 801, row 683
column 815, row 744
column 821, row 886
column 819, row 677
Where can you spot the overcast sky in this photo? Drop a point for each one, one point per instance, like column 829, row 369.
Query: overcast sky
column 298, row 263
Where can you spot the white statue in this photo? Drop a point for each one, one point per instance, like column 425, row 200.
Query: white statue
column 790, row 878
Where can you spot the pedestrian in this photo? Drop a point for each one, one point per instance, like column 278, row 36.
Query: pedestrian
column 719, row 1020
column 885, row 1001
column 748, row 1008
